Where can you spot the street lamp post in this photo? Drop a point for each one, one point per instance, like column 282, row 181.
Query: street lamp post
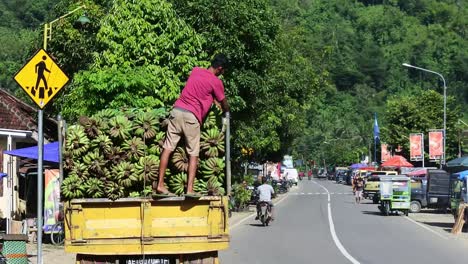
column 40, row 155
column 445, row 103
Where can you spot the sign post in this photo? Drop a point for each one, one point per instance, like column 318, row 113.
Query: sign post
column 41, row 78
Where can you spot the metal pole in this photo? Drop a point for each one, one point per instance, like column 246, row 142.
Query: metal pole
column 442, row 162
column 445, row 116
column 422, row 144
column 375, row 150
column 40, row 179
column 60, row 139
column 228, row 153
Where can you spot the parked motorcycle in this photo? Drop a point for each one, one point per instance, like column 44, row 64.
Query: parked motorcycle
column 283, row 185
column 265, row 213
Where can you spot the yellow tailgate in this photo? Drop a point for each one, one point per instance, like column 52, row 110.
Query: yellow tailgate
column 135, row 225
column 372, row 186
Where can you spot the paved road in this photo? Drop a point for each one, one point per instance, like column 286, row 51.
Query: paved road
column 302, row 233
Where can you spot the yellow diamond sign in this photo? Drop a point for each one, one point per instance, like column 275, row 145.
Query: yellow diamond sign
column 41, row 78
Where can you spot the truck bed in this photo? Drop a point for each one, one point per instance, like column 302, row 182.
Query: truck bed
column 133, row 226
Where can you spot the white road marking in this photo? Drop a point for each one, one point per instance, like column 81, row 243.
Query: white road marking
column 425, row 227
column 309, row 193
column 254, row 214
column 333, row 232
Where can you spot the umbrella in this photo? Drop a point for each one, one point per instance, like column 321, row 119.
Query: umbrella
column 462, row 174
column 358, row 166
column 463, row 161
column 51, row 152
column 396, row 161
column 417, row 172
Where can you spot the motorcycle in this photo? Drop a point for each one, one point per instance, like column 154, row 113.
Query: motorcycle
column 264, row 213
column 281, row 185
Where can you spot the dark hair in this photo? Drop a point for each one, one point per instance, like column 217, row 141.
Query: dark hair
column 264, row 180
column 220, row 60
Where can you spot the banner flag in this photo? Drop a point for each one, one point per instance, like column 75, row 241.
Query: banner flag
column 376, row 129
column 436, row 138
column 416, row 146
column 385, row 154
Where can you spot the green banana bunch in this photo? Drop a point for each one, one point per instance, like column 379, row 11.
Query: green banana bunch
column 147, row 168
column 210, row 120
column 79, row 170
column 145, row 125
column 178, row 183
column 199, row 186
column 134, row 148
column 94, row 188
column 92, row 126
column 76, row 143
column 95, row 162
column 180, row 160
column 72, row 187
column 116, row 155
column 212, row 142
column 68, row 160
column 114, row 191
column 125, row 174
column 213, row 167
column 214, row 187
column 134, row 194
column 120, row 127
column 103, row 143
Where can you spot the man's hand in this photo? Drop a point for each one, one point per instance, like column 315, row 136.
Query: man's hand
column 224, row 105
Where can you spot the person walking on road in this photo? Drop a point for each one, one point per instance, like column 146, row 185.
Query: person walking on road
column 202, row 88
column 358, row 188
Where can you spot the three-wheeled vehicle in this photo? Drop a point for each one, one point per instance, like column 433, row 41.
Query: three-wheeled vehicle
column 395, row 194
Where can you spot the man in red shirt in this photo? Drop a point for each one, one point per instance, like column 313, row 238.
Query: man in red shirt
column 202, row 88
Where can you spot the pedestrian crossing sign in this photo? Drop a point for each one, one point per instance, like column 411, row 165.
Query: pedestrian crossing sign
column 41, row 78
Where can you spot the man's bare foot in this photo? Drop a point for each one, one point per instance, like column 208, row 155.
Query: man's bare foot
column 162, row 190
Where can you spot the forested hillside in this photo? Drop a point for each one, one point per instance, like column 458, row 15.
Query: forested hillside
column 307, row 76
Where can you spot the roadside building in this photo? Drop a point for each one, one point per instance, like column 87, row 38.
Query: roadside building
column 18, row 129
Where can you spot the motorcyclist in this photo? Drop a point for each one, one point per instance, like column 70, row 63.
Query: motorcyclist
column 265, row 193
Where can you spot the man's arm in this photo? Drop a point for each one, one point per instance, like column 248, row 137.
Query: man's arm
column 224, row 105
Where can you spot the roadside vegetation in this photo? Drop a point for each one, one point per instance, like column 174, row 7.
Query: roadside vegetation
column 306, row 77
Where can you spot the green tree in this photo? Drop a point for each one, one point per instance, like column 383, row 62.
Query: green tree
column 418, row 113
column 146, row 52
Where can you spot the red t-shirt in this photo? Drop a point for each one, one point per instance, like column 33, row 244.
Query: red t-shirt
column 198, row 94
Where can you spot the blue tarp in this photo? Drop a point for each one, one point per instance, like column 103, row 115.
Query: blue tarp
column 51, row 152
column 358, row 165
column 462, row 174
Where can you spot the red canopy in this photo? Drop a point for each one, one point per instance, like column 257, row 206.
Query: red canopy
column 397, row 161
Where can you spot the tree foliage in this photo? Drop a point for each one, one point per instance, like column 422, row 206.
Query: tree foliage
column 304, row 72
column 145, row 53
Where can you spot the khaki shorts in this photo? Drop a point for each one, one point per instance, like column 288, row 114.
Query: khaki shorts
column 183, row 123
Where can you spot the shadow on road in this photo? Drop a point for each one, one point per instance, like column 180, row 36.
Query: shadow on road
column 372, row 213
column 260, row 225
column 439, row 224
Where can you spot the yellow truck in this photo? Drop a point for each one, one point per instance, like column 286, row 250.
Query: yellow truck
column 147, row 231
